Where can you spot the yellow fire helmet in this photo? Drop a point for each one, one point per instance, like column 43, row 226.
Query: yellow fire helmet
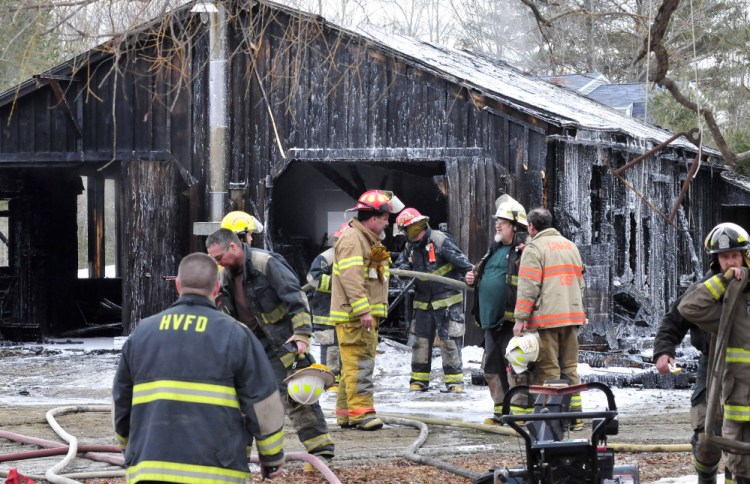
column 306, row 386
column 241, row 222
column 522, row 350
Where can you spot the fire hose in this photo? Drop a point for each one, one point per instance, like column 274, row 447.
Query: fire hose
column 716, row 364
column 424, row 276
column 51, row 447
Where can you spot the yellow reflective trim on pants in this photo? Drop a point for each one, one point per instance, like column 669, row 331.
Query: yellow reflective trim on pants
column 509, row 316
column 181, row 391
column 317, row 442
column 122, row 441
column 154, row 470
column 456, row 378
column 576, row 403
column 737, row 413
column 737, row 355
column 716, row 287
column 514, row 280
column 705, row 468
column 516, row 410
column 440, row 303
column 420, row 376
column 271, row 445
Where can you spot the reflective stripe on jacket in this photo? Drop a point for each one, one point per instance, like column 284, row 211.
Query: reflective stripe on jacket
column 449, row 262
column 320, row 277
column 701, row 306
column 550, row 283
column 192, row 388
column 356, row 289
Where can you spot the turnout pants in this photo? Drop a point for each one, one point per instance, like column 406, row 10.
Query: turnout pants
column 355, row 399
column 307, row 420
column 448, row 324
column 326, row 337
column 706, row 456
column 500, row 375
column 558, row 359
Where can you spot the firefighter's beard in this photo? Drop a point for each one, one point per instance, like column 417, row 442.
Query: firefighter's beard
column 498, row 238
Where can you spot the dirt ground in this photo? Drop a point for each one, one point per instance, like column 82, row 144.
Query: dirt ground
column 32, row 381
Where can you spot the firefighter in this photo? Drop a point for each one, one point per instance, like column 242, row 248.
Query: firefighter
column 672, row 330
column 359, row 301
column 324, row 330
column 242, row 224
column 550, row 301
column 260, row 290
column 192, row 389
column 494, row 301
column 438, row 308
column 722, row 299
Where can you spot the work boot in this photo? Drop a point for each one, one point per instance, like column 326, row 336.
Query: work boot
column 706, row 478
column 326, row 458
column 576, row 425
column 369, row 423
column 455, row 389
column 417, row 387
column 344, row 424
column 496, row 419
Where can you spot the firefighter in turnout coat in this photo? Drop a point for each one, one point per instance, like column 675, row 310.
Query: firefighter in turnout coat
column 438, row 308
column 260, row 290
column 550, row 301
column 359, row 301
column 192, row 389
column 723, row 300
column 324, row 329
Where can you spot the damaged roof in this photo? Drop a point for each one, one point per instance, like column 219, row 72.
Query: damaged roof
column 493, row 78
column 553, row 104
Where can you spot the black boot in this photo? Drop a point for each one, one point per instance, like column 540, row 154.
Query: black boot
column 704, row 478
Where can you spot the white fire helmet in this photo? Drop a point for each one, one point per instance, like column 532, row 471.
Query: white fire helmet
column 522, row 350
column 509, row 209
column 306, row 386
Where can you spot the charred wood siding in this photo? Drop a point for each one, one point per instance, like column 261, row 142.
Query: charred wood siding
column 155, row 228
column 328, row 92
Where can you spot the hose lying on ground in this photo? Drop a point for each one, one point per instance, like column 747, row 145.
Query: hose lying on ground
column 73, row 449
column 411, row 451
column 632, row 448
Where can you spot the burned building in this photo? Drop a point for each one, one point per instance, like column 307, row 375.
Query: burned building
column 284, row 115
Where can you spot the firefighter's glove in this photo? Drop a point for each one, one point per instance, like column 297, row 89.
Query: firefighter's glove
column 270, row 472
column 378, row 255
